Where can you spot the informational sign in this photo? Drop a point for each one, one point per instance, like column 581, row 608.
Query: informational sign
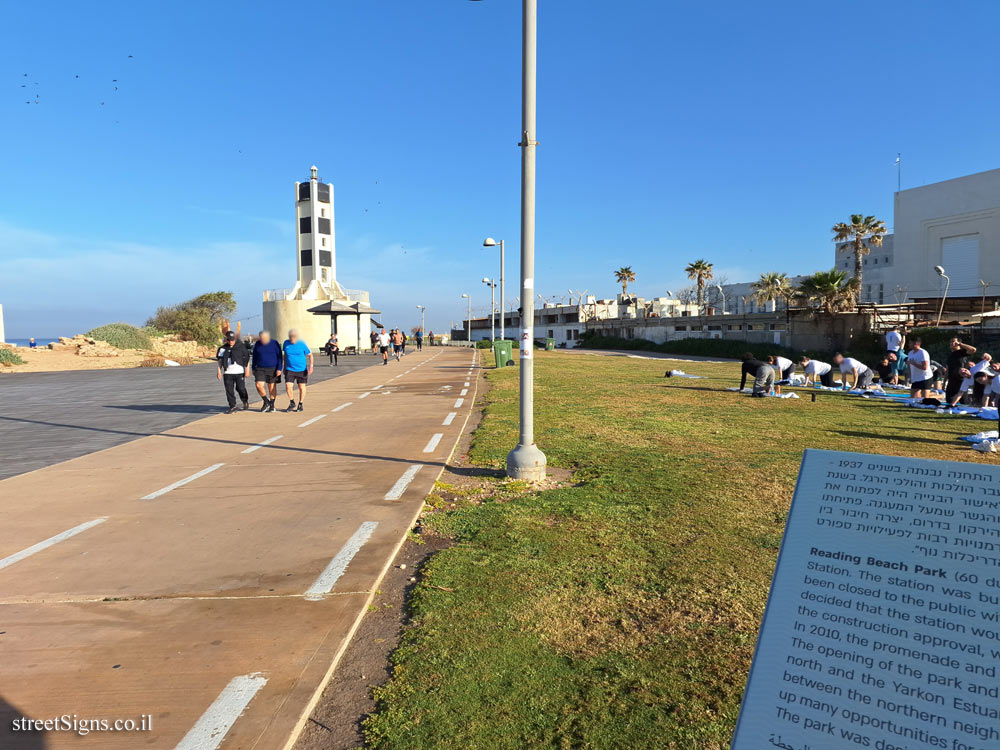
column 526, row 344
column 882, row 629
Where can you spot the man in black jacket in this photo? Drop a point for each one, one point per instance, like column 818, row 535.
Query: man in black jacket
column 763, row 375
column 234, row 366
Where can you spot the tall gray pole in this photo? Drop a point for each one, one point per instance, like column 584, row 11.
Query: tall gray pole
column 526, row 461
column 502, row 292
column 468, row 328
column 493, row 311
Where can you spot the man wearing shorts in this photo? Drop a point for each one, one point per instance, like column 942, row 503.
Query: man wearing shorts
column 921, row 374
column 397, row 343
column 298, row 367
column 383, row 342
column 267, row 360
column 420, row 340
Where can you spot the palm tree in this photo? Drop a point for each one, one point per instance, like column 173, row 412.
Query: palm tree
column 853, row 236
column 701, row 272
column 624, row 276
column 771, row 287
column 833, row 290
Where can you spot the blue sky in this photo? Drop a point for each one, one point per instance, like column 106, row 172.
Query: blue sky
column 669, row 132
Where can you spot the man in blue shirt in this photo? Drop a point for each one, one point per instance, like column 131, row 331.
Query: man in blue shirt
column 298, row 367
column 267, row 360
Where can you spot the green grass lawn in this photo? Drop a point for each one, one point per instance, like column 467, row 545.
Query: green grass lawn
column 620, row 612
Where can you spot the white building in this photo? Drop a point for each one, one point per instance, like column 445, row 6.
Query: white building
column 316, row 278
column 880, row 281
column 954, row 224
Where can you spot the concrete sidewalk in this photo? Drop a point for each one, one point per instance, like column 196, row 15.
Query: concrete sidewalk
column 209, row 577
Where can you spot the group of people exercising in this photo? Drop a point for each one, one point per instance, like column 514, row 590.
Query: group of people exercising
column 964, row 378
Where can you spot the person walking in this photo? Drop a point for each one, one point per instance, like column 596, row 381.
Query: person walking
column 332, row 349
column 763, row 375
column 397, row 343
column 266, row 360
column 298, row 368
column 234, row 366
column 420, row 339
column 374, row 340
column 403, row 338
column 430, row 338
column 384, row 342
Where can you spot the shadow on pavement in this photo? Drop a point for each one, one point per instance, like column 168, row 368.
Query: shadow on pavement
column 239, row 443
column 171, row 408
column 20, row 740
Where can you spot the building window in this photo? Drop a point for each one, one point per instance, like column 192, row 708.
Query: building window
column 680, row 328
column 303, row 191
column 777, row 326
column 875, row 261
column 551, row 336
column 715, row 328
column 306, row 257
column 734, row 328
column 305, row 225
column 322, row 242
column 325, row 258
column 324, row 226
column 323, row 192
column 695, row 328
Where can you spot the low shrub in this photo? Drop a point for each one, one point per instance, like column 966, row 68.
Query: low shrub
column 121, row 336
column 155, row 361
column 9, row 358
column 484, row 344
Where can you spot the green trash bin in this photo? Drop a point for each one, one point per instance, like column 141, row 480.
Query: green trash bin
column 550, row 345
column 503, row 352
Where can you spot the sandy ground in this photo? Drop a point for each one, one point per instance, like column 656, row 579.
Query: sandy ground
column 45, row 360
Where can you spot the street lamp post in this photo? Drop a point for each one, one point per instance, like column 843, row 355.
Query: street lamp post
column 492, row 284
column 468, row 322
column 723, row 295
column 526, row 461
column 422, row 308
column 943, row 275
column 490, row 242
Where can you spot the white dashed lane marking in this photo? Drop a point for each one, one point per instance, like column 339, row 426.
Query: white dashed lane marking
column 314, row 419
column 458, row 403
column 182, row 482
column 262, row 443
column 338, row 565
column 342, row 406
column 448, row 420
column 403, row 482
column 29, row 551
column 218, row 719
column 432, row 444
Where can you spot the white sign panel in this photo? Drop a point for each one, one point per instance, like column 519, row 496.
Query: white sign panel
column 882, row 629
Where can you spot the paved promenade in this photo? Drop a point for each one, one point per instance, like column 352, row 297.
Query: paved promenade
column 209, row 576
column 49, row 417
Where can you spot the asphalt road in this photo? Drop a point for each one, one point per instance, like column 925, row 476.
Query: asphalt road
column 48, row 417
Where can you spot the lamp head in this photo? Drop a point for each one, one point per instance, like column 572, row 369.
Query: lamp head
column 490, row 242
column 940, row 270
column 486, row 280
column 464, row 296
